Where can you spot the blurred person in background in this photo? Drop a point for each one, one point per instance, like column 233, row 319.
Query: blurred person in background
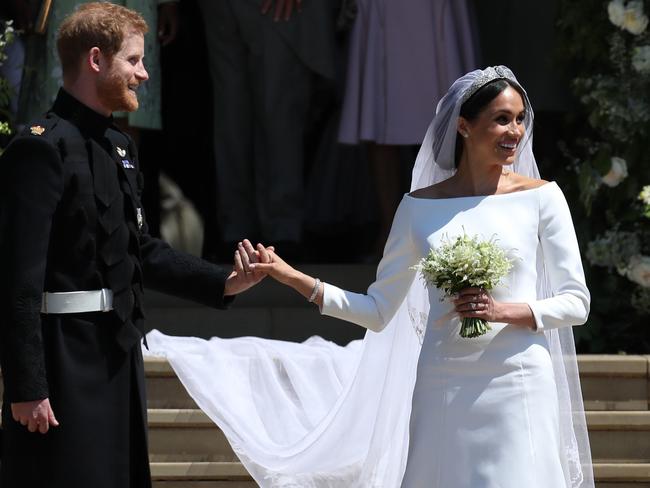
column 402, row 58
column 264, row 58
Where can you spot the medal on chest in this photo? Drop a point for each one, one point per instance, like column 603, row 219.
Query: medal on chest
column 126, row 163
column 140, row 219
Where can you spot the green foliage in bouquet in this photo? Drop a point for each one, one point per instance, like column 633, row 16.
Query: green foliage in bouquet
column 465, row 262
column 609, row 55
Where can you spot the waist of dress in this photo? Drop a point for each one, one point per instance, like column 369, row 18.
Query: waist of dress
column 504, row 344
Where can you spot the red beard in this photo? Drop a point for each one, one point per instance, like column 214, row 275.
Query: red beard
column 115, row 94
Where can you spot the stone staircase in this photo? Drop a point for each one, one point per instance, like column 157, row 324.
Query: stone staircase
column 188, row 451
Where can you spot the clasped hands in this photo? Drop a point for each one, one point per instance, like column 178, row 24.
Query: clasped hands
column 253, row 264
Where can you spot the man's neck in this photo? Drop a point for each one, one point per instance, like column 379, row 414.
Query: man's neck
column 86, row 95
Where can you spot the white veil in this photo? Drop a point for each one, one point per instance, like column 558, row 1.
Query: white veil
column 315, row 415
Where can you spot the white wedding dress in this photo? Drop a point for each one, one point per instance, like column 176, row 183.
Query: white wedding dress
column 484, row 411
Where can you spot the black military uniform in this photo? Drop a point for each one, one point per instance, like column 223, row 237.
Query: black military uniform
column 70, row 220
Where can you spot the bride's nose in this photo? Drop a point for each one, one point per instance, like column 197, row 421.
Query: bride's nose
column 514, row 129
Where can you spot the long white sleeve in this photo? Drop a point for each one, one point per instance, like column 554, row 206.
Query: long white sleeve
column 394, row 276
column 569, row 303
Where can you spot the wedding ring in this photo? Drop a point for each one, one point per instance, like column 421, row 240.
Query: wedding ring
column 472, row 305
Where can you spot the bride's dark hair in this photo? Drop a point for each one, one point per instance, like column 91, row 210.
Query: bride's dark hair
column 475, row 104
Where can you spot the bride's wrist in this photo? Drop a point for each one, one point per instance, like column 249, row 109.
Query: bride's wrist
column 297, row 280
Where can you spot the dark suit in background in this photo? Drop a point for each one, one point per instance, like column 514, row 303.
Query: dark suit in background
column 262, row 78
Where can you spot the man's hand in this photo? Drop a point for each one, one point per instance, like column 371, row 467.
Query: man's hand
column 283, row 8
column 243, row 277
column 167, row 23
column 36, row 415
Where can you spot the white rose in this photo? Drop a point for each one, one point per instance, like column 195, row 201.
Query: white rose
column 639, row 270
column 641, row 59
column 616, row 12
column 634, row 20
column 617, row 173
column 644, row 196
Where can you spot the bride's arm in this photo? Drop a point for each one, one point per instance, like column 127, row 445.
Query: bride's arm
column 569, row 301
column 374, row 309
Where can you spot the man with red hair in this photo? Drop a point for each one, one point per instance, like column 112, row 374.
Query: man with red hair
column 75, row 255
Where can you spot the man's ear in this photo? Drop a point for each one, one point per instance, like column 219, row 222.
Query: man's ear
column 94, row 59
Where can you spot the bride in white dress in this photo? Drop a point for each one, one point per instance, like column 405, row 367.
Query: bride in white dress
column 416, row 405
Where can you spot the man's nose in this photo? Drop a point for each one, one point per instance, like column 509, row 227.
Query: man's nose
column 141, row 73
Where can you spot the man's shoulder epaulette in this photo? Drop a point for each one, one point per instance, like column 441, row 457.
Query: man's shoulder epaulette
column 41, row 128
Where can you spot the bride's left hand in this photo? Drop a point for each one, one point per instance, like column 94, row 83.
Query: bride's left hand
column 476, row 303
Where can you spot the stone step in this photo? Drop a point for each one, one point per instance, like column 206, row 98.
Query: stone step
column 189, row 435
column 200, row 475
column 609, row 383
column 182, row 435
column 615, row 382
column 231, row 475
column 619, row 436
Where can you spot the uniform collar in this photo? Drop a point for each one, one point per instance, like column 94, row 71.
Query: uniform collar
column 86, row 119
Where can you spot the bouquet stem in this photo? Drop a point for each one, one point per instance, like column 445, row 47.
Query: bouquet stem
column 474, row 327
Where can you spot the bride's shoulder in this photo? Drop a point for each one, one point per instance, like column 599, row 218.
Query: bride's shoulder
column 433, row 192
column 521, row 182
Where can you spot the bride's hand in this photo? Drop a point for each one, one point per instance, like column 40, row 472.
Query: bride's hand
column 243, row 276
column 476, row 303
column 273, row 265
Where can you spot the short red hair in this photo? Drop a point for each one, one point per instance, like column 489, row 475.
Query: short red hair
column 96, row 24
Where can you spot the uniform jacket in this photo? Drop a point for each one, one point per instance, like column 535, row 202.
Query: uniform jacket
column 71, row 219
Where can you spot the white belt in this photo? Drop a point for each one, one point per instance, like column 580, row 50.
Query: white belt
column 78, row 301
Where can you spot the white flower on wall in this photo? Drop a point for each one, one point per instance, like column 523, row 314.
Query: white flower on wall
column 616, row 12
column 628, row 16
column 639, row 270
column 617, row 172
column 635, row 21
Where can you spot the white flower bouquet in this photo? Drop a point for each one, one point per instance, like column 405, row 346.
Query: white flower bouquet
column 466, row 262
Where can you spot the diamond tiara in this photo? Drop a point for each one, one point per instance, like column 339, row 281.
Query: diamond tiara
column 489, row 74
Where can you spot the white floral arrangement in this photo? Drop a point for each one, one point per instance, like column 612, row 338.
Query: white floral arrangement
column 612, row 162
column 465, row 262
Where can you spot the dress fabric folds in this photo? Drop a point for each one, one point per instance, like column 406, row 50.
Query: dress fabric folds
column 402, row 408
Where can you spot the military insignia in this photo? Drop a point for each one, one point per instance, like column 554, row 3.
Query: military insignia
column 126, row 164
column 37, row 130
column 138, row 213
column 120, row 151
